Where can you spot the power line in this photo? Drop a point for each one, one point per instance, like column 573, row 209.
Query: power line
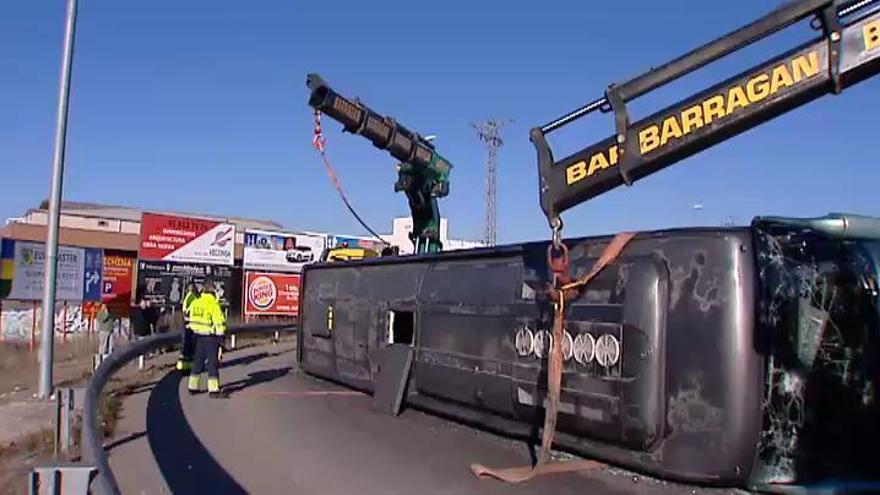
column 489, row 133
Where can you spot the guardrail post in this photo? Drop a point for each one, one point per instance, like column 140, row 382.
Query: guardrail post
column 66, row 418
column 61, row 479
column 57, row 438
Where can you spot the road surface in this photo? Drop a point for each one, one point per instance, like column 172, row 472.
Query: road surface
column 281, row 431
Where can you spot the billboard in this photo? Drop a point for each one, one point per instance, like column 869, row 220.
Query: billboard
column 116, row 282
column 281, row 252
column 27, row 271
column 271, row 294
column 357, row 242
column 164, row 282
column 186, row 240
column 7, row 266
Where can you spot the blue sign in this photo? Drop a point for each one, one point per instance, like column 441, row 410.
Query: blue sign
column 94, row 267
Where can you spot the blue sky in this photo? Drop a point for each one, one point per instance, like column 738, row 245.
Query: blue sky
column 201, row 106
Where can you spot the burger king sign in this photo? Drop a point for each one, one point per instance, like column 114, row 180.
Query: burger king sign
column 271, row 294
column 262, row 293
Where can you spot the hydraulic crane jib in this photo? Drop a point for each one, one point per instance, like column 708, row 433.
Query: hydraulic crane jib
column 384, row 132
column 847, row 53
column 423, row 175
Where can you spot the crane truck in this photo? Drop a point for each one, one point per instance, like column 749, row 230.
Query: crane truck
column 740, row 356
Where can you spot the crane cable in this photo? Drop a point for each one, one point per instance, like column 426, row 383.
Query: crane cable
column 319, row 143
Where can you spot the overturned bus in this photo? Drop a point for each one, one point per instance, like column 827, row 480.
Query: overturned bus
column 730, row 356
column 737, row 356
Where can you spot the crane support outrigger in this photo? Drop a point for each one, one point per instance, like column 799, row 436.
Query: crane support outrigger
column 847, row 53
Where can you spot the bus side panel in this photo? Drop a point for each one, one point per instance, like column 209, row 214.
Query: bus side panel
column 465, row 347
column 344, row 317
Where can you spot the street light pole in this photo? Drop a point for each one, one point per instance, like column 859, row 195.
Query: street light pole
column 48, row 326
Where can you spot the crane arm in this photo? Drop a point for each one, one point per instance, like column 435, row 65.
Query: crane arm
column 847, row 53
column 423, row 174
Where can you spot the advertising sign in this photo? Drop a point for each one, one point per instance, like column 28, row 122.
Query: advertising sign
column 28, row 266
column 164, row 282
column 116, row 282
column 281, row 252
column 7, row 266
column 271, row 294
column 357, row 242
column 186, row 240
column 94, row 266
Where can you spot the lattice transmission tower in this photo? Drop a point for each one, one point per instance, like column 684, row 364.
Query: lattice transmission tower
column 489, row 133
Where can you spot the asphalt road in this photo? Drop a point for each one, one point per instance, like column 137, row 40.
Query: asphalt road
column 280, row 431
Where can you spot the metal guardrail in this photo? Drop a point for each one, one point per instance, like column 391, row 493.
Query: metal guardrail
column 93, row 452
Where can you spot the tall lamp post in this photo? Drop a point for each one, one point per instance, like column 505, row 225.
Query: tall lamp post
column 48, row 326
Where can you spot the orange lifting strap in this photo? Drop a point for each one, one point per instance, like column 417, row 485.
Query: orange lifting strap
column 563, row 287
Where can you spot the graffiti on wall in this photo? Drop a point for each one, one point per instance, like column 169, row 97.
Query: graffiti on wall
column 18, row 319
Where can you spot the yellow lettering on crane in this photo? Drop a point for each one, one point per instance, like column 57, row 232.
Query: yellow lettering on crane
column 780, row 79
column 736, row 98
column 871, row 33
column 579, row 171
column 597, row 162
column 649, row 139
column 692, row 119
column 576, row 172
column 732, row 100
column 806, row 67
column 758, row 88
column 713, row 108
column 671, row 129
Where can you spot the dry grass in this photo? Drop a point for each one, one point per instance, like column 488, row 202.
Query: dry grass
column 17, row 460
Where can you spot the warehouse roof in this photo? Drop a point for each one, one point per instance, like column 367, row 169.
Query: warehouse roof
column 133, row 214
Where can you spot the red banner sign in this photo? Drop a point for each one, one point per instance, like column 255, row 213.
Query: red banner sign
column 188, row 240
column 116, row 282
column 271, row 294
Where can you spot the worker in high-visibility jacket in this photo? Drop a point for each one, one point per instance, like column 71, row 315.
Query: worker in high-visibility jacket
column 187, row 340
column 208, row 324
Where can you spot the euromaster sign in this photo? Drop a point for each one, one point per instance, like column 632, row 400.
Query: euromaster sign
column 27, row 270
column 271, row 294
column 187, row 240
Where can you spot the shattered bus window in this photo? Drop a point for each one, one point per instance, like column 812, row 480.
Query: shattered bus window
column 819, row 319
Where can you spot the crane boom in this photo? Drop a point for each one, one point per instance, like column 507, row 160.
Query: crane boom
column 847, row 53
column 422, row 174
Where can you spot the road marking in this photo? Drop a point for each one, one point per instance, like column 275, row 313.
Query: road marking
column 305, row 393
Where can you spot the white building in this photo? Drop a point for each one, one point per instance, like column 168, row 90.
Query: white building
column 402, row 227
